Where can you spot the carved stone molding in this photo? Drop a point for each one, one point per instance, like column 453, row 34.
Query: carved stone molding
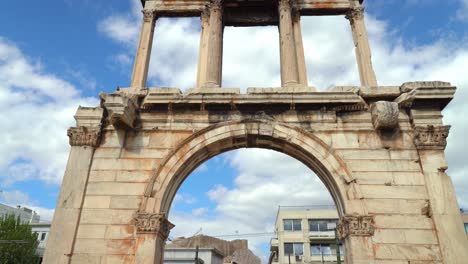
column 153, row 224
column 84, row 136
column 385, row 115
column 149, row 15
column 355, row 225
column 356, row 13
column 431, row 137
column 122, row 109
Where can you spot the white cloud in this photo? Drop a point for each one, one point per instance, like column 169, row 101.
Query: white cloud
column 462, row 13
column 37, row 108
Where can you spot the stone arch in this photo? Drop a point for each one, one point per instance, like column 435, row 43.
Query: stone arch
column 252, row 133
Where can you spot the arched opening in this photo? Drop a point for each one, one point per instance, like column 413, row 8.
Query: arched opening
column 262, row 132
column 253, row 205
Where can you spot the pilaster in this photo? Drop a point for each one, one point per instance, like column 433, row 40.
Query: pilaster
column 152, row 232
column 83, row 138
column 443, row 206
column 361, row 42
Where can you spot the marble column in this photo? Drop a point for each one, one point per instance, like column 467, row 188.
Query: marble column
column 215, row 46
column 142, row 59
column 361, row 42
column 203, row 50
column 301, row 64
column 289, row 69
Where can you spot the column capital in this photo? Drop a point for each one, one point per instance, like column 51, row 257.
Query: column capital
column 355, row 225
column 356, row 13
column 149, row 15
column 153, row 223
column 84, row 136
column 431, row 137
column 285, row 5
column 216, row 4
column 205, row 16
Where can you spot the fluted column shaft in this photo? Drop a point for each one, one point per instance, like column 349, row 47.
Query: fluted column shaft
column 361, row 42
column 289, row 68
column 203, row 50
column 215, row 46
column 301, row 64
column 142, row 59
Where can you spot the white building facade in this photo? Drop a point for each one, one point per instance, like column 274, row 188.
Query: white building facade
column 42, row 230
column 306, row 235
column 187, row 256
column 25, row 214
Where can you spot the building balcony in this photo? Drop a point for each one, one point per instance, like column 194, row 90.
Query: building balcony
column 322, row 235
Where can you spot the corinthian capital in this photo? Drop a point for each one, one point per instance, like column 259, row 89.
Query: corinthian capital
column 84, row 136
column 431, row 137
column 355, row 225
column 153, row 224
column 356, row 13
column 149, row 15
column 284, row 5
column 216, row 4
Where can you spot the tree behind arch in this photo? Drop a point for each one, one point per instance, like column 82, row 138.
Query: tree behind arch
column 17, row 242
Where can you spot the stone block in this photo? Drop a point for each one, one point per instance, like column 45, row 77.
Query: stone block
column 134, row 176
column 208, row 90
column 122, row 110
column 102, row 175
column 394, row 206
column 383, row 165
column 398, row 221
column 107, row 216
column 120, row 232
column 96, row 201
column 405, row 236
column 393, row 192
column 165, row 139
column 407, row 252
column 125, row 202
column 89, row 116
column 124, row 164
column 380, row 92
column 115, row 188
column 104, row 247
column 91, row 231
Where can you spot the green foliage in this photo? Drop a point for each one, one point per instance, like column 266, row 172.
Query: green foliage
column 17, row 242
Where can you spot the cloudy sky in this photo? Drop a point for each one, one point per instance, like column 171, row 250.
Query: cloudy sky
column 56, row 55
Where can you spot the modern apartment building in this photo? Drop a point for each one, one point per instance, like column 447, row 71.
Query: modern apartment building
column 42, row 230
column 25, row 214
column 465, row 221
column 305, row 235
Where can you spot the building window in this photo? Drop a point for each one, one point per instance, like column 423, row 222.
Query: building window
column 292, row 225
column 466, row 228
column 296, row 249
column 43, row 236
column 320, row 249
column 322, row 225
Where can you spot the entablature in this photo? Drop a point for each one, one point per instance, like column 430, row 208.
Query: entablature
column 237, row 11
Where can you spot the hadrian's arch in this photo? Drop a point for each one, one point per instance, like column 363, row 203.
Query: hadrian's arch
column 256, row 132
column 378, row 149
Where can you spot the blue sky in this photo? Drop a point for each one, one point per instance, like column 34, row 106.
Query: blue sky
column 56, row 55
